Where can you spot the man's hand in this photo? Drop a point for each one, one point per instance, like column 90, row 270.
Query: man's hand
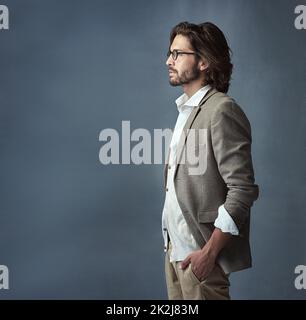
column 203, row 261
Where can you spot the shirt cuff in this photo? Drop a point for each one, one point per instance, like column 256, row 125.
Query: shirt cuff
column 225, row 222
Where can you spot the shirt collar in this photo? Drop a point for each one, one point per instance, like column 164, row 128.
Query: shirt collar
column 183, row 102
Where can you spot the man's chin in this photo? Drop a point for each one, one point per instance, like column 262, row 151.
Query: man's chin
column 174, row 83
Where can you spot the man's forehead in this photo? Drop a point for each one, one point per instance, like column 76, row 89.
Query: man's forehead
column 180, row 42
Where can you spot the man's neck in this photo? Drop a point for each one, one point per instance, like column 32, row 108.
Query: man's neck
column 191, row 88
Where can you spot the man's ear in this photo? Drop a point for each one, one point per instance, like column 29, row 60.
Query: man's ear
column 203, row 65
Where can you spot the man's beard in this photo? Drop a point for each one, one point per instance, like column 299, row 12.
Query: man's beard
column 186, row 77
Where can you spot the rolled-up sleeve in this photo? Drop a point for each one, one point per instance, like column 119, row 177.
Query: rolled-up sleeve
column 225, row 222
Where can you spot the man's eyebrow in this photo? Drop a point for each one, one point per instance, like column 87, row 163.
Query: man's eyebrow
column 179, row 49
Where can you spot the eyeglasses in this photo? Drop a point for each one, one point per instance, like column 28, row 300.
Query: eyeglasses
column 175, row 53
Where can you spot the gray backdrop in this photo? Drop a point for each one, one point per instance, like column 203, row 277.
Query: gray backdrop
column 73, row 228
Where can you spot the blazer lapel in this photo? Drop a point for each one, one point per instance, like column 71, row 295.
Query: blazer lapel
column 166, row 168
column 185, row 132
column 207, row 96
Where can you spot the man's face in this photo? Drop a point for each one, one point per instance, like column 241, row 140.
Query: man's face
column 185, row 68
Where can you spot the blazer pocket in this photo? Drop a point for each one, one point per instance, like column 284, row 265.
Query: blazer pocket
column 207, row 216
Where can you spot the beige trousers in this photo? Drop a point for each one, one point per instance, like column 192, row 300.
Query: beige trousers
column 184, row 285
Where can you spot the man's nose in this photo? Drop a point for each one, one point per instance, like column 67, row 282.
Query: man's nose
column 169, row 61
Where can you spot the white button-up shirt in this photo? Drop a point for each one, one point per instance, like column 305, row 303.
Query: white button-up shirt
column 173, row 222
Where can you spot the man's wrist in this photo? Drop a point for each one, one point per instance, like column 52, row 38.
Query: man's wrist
column 216, row 243
column 210, row 250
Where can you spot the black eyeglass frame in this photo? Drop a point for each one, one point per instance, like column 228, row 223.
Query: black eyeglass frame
column 175, row 53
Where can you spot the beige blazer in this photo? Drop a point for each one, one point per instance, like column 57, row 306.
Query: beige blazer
column 225, row 174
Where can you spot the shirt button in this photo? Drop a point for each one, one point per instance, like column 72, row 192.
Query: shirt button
column 169, row 167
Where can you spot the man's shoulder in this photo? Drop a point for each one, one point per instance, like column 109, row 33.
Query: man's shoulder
column 220, row 104
column 220, row 101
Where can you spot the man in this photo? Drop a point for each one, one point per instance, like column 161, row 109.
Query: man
column 206, row 214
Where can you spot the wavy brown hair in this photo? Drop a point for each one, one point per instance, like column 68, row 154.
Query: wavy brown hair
column 210, row 44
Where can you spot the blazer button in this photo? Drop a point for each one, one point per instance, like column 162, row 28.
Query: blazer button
column 169, row 167
column 167, row 189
